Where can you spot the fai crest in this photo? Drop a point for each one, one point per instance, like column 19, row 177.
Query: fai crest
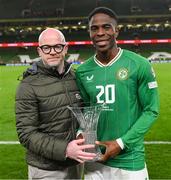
column 122, row 74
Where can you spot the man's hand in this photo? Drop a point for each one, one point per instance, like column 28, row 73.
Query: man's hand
column 112, row 149
column 75, row 150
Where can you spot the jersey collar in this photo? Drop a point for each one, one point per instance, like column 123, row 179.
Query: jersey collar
column 111, row 62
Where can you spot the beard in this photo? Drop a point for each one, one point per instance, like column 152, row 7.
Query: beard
column 50, row 66
column 55, row 66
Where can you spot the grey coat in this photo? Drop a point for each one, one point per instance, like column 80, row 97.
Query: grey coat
column 44, row 123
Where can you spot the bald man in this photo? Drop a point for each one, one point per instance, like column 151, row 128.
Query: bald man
column 44, row 124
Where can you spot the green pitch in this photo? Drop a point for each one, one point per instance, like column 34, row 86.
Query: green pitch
column 12, row 159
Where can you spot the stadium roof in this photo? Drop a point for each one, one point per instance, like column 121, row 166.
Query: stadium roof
column 21, row 17
column 12, row 9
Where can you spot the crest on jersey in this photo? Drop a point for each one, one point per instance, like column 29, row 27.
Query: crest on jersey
column 122, row 74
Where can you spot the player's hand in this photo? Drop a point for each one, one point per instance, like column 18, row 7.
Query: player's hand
column 76, row 150
column 112, row 149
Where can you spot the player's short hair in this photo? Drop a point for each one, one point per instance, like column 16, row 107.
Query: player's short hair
column 103, row 10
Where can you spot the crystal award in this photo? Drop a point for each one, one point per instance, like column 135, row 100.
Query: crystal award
column 87, row 117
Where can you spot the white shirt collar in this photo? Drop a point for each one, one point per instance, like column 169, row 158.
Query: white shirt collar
column 111, row 62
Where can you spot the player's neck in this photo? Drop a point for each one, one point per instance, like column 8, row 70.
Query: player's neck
column 106, row 57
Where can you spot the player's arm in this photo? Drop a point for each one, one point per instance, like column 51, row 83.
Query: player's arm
column 148, row 97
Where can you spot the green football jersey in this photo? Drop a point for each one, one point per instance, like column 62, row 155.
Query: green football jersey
column 128, row 87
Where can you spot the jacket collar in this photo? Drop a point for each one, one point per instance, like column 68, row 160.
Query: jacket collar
column 52, row 70
column 39, row 67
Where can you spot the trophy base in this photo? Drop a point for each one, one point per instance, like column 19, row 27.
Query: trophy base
column 90, row 138
column 97, row 158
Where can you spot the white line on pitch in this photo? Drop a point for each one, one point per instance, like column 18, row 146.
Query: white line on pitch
column 146, row 142
column 9, row 142
column 157, row 142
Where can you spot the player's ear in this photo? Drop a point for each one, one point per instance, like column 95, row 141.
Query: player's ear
column 116, row 32
column 88, row 30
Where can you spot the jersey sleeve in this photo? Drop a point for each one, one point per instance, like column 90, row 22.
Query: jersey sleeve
column 149, row 100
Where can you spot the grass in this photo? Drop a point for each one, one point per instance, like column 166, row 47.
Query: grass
column 12, row 164
column 12, row 157
column 158, row 161
column 162, row 127
column 8, row 84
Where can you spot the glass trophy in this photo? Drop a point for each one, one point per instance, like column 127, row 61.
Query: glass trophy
column 87, row 117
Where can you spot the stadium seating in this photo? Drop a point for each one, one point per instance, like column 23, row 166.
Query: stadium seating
column 77, row 8
column 22, row 21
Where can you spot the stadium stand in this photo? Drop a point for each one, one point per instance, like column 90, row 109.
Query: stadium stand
column 160, row 57
column 73, row 58
column 22, row 21
column 44, row 8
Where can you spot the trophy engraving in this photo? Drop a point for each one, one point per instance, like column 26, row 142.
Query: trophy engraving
column 87, row 117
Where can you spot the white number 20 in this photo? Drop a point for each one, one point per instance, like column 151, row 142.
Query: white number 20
column 109, row 94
